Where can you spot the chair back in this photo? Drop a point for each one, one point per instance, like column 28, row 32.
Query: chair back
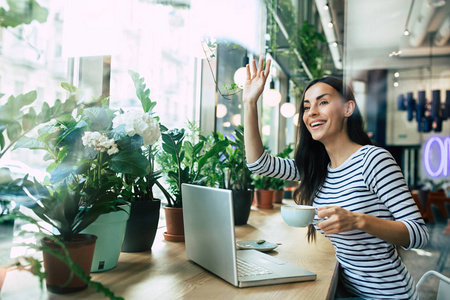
column 444, row 284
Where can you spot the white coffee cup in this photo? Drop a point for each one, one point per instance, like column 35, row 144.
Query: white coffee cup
column 298, row 215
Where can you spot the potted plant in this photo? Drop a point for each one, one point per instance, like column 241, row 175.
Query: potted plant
column 145, row 209
column 229, row 170
column 278, row 184
column 67, row 209
column 263, row 193
column 17, row 120
column 182, row 161
column 96, row 145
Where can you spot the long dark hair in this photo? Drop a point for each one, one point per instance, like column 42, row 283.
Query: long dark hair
column 311, row 157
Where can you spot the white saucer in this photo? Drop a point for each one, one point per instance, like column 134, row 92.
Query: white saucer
column 253, row 245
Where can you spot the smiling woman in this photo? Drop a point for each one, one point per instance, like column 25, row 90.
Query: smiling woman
column 358, row 188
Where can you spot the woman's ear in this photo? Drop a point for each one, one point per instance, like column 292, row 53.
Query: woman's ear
column 349, row 108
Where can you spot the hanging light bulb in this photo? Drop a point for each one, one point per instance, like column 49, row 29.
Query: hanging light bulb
column 271, row 97
column 266, row 130
column 241, row 74
column 236, row 119
column 287, row 109
column 221, row 110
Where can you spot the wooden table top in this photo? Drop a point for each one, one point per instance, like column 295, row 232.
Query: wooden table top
column 166, row 273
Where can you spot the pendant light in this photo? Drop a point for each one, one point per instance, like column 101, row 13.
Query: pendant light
column 287, row 109
column 272, row 97
column 241, row 74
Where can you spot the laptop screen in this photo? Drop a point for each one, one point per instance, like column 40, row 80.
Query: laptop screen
column 209, row 229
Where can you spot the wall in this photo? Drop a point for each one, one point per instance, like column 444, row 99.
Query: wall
column 400, row 132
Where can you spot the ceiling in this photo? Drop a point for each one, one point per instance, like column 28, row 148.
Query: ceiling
column 372, row 33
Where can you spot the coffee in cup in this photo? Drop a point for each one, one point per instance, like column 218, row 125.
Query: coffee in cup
column 298, row 215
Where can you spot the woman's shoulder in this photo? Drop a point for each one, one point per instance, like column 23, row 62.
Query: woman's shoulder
column 375, row 154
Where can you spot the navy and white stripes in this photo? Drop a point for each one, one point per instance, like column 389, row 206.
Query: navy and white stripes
column 369, row 182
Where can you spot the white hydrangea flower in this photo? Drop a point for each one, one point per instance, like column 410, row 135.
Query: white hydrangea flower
column 100, row 142
column 138, row 122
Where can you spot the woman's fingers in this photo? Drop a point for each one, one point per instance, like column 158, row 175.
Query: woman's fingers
column 259, row 71
column 249, row 76
column 254, row 69
column 260, row 65
column 267, row 70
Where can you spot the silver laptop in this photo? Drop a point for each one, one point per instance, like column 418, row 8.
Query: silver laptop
column 210, row 242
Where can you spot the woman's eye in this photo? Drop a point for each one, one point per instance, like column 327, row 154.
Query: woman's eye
column 323, row 102
column 306, row 108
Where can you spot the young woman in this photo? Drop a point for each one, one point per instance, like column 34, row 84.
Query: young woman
column 357, row 187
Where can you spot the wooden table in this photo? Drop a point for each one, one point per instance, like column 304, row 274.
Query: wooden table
column 166, row 273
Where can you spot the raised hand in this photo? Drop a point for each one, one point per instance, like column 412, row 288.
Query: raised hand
column 254, row 84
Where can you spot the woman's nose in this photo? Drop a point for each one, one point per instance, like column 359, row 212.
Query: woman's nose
column 312, row 110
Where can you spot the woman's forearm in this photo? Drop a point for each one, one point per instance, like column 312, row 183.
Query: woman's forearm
column 340, row 220
column 394, row 232
column 252, row 137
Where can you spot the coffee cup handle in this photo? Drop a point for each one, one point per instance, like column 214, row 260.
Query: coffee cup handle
column 314, row 222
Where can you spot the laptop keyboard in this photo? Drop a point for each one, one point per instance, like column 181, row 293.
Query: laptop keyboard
column 247, row 268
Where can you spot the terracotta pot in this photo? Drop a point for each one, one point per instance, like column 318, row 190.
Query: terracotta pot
column 81, row 249
column 174, row 224
column 264, row 198
column 278, row 196
column 141, row 226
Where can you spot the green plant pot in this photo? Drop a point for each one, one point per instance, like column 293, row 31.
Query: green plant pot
column 6, row 242
column 110, row 230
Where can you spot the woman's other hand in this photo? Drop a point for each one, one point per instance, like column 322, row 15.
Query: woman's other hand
column 254, row 84
column 338, row 219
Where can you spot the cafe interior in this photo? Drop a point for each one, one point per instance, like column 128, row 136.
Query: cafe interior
column 183, row 62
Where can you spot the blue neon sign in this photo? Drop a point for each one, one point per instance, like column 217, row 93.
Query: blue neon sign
column 442, row 146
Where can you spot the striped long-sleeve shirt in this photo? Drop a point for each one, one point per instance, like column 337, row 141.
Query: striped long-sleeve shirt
column 369, row 182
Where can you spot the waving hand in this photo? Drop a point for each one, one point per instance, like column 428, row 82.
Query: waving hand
column 254, row 84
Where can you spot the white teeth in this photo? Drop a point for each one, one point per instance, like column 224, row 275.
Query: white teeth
column 316, row 124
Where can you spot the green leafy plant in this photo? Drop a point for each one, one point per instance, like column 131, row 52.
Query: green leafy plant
column 22, row 12
column 99, row 144
column 262, row 182
column 18, row 119
column 70, row 209
column 182, row 160
column 233, row 165
column 304, row 43
column 34, row 265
